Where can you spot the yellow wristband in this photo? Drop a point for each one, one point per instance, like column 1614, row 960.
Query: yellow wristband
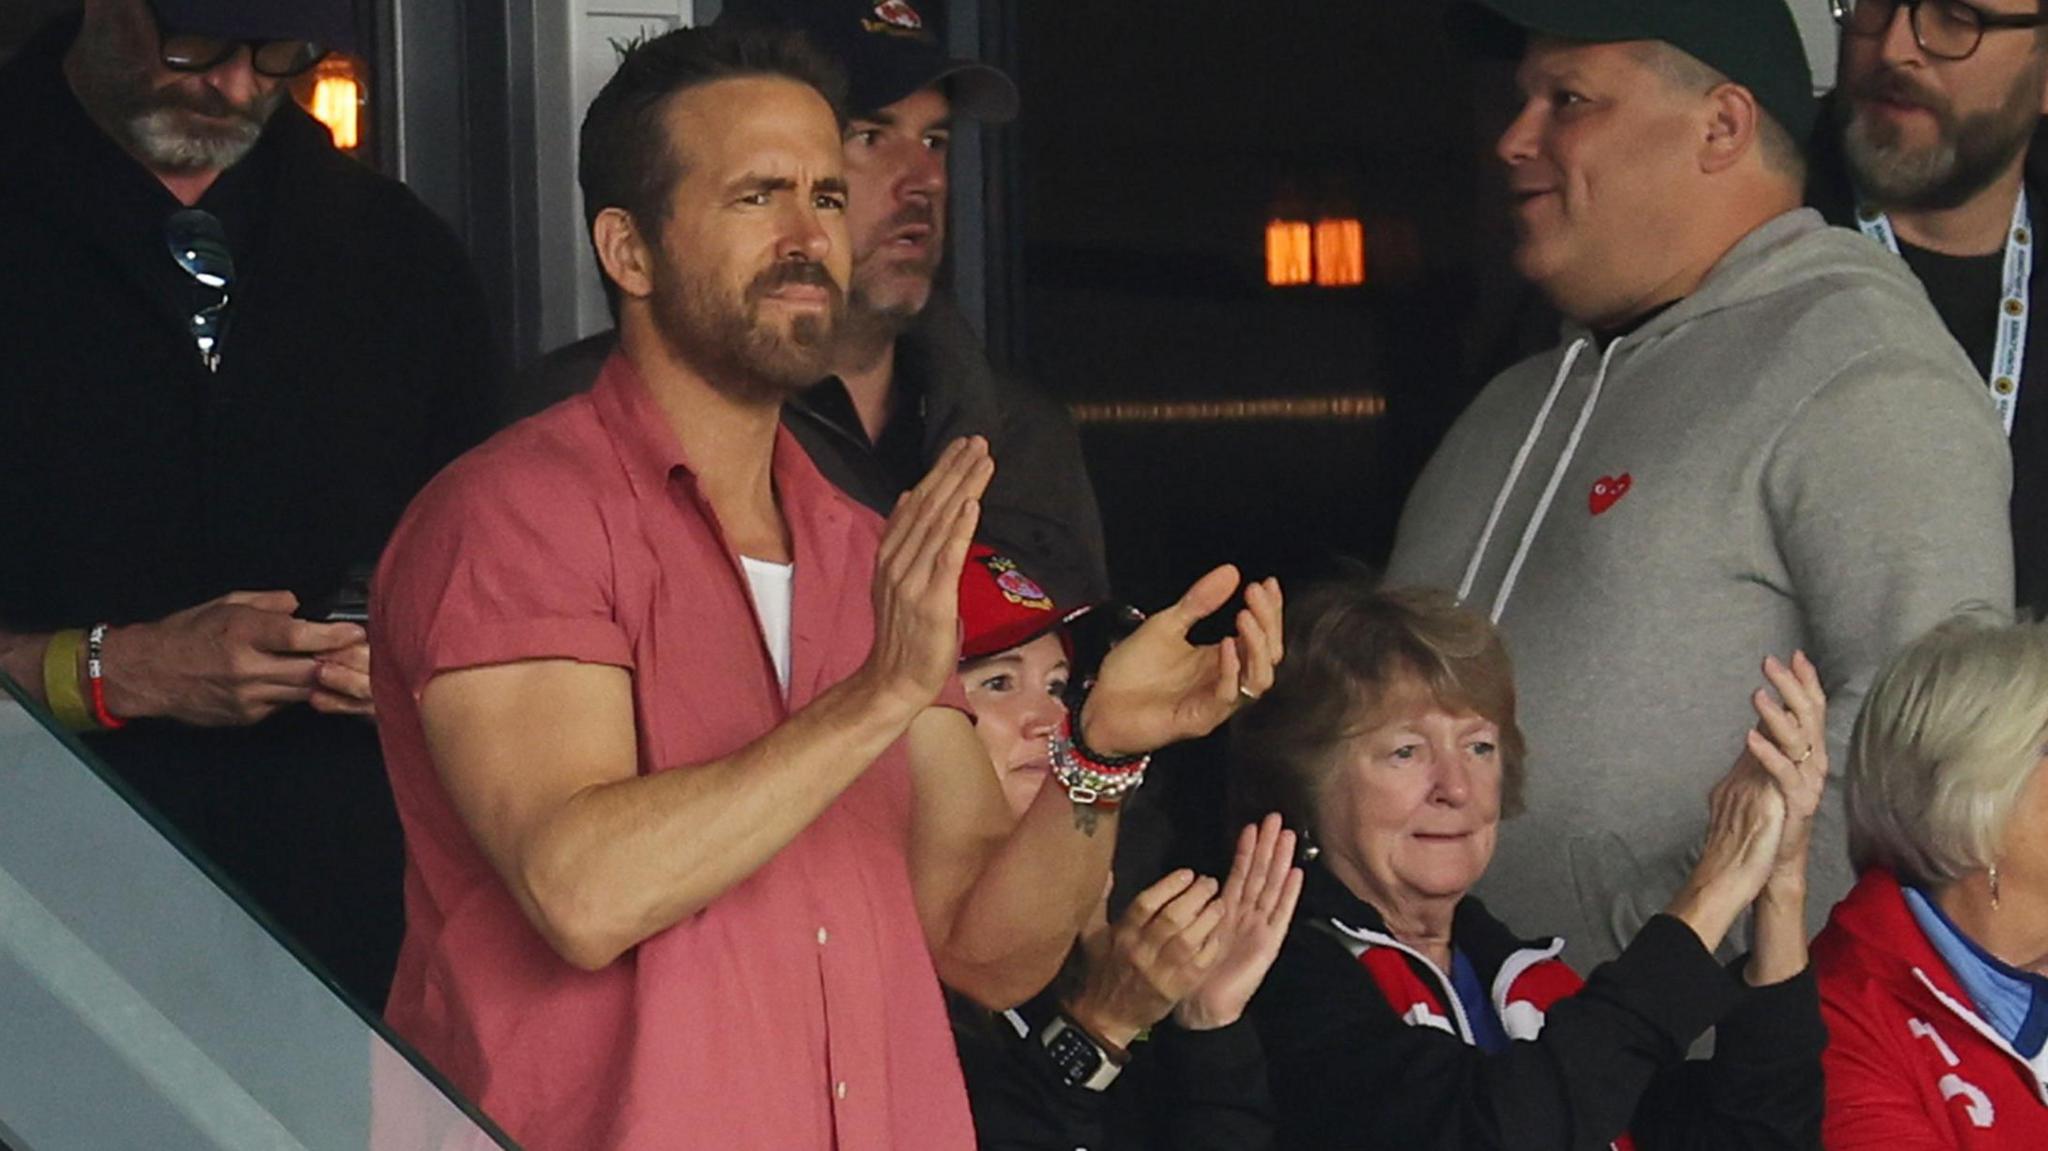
column 61, row 689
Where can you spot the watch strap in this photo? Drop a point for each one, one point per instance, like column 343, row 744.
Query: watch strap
column 1060, row 1037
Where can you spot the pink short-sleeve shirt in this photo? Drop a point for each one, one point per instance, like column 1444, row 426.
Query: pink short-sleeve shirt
column 798, row 1010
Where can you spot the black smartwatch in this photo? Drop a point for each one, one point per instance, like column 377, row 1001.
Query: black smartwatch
column 1081, row 1060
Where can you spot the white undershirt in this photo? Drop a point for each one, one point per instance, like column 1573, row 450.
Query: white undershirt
column 773, row 586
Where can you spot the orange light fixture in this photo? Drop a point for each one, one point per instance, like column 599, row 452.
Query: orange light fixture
column 1340, row 253
column 1290, row 252
column 337, row 101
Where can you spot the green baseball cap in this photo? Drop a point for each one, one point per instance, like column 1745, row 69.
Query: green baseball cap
column 1752, row 42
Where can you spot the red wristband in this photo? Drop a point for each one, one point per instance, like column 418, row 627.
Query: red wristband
column 97, row 680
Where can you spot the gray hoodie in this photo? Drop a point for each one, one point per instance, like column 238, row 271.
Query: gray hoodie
column 1795, row 456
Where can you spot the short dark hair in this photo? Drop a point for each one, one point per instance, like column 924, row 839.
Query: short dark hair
column 1348, row 645
column 624, row 159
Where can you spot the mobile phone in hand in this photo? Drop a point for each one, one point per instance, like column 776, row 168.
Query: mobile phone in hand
column 349, row 603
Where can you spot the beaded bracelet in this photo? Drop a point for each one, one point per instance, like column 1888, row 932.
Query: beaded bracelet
column 95, row 675
column 1089, row 778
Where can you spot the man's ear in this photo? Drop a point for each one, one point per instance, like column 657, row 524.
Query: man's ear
column 623, row 253
column 1732, row 123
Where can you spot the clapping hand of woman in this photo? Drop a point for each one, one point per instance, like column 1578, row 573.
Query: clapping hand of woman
column 1184, row 947
column 1156, row 687
column 1760, row 824
column 1790, row 745
column 1259, row 899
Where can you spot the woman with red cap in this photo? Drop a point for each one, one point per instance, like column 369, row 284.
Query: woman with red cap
column 1174, row 970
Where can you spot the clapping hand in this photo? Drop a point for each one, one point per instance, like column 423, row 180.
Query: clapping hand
column 1156, row 688
column 1162, row 946
column 1761, row 813
column 1258, row 899
column 1789, row 744
column 916, row 587
column 1182, row 947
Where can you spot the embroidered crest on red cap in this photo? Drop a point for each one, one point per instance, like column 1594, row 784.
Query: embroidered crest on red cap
column 1608, row 490
column 900, row 14
column 1016, row 587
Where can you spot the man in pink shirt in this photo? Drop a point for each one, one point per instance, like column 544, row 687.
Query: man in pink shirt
column 693, row 819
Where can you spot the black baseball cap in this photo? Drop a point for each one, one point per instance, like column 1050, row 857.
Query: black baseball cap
column 889, row 51
column 1752, row 42
column 328, row 23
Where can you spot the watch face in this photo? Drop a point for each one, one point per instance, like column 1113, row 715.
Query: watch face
column 1075, row 1055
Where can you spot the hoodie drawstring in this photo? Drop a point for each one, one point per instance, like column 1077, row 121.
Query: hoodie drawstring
column 1564, row 461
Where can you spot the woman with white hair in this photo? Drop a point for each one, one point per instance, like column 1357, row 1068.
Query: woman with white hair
column 1931, row 971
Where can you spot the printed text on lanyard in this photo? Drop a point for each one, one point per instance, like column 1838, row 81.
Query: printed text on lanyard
column 2009, row 355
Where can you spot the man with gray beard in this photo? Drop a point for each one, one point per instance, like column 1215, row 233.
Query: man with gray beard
column 1926, row 149
column 233, row 355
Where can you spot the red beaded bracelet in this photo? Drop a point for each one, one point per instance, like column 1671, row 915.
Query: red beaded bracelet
column 1087, row 778
column 95, row 674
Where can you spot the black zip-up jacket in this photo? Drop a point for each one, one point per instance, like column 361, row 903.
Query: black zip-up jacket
column 134, row 483
column 1347, row 1072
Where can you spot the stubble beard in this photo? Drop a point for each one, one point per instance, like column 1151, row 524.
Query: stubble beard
column 1969, row 153
column 727, row 340
column 889, row 292
column 874, row 317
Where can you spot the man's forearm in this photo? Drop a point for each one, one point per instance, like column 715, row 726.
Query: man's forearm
column 621, row 861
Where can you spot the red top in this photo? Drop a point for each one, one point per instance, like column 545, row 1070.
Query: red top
column 798, row 1010
column 1910, row 1066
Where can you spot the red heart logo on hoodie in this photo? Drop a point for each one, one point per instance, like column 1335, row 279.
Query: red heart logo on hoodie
column 1608, row 490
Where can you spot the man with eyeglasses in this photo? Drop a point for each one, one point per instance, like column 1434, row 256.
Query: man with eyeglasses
column 233, row 354
column 1927, row 150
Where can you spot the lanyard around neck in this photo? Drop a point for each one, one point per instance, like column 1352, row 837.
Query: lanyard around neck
column 2009, row 355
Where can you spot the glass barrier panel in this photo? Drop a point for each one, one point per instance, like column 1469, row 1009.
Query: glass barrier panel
column 142, row 1006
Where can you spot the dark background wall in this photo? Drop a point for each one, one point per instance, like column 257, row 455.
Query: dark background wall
column 19, row 19
column 1157, row 139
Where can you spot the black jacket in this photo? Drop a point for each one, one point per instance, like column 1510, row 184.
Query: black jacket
column 357, row 362
column 1828, row 189
column 1181, row 1090
column 1040, row 507
column 1347, row 1072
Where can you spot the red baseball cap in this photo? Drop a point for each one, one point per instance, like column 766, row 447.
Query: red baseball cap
column 1001, row 607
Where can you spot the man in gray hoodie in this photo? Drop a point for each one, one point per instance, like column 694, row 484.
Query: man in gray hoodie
column 1757, row 436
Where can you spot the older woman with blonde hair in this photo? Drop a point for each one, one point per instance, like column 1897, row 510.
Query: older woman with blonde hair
column 1931, row 971
column 1402, row 1013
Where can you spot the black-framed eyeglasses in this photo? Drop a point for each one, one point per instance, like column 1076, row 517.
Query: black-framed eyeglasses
column 189, row 52
column 1944, row 29
column 200, row 246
